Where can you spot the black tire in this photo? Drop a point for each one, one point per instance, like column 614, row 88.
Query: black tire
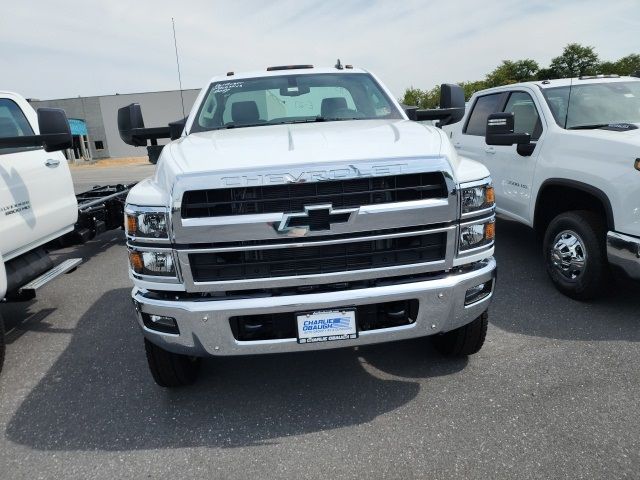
column 591, row 280
column 465, row 340
column 169, row 369
column 2, row 344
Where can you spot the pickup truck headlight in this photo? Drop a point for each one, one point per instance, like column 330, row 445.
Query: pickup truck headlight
column 477, row 235
column 146, row 224
column 478, row 197
column 152, row 263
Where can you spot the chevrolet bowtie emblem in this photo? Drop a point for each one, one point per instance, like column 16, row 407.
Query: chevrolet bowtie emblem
column 315, row 218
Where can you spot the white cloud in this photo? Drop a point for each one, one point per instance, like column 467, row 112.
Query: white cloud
column 70, row 48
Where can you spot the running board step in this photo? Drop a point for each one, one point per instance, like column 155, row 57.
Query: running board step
column 29, row 290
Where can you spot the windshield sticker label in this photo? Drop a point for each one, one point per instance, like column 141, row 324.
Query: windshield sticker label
column 225, row 87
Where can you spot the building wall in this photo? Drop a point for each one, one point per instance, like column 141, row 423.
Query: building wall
column 158, row 109
column 85, row 108
column 101, row 116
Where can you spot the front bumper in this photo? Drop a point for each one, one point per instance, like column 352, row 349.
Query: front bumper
column 624, row 251
column 205, row 328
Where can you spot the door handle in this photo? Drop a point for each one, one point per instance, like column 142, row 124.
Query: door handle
column 457, row 145
column 490, row 150
column 52, row 163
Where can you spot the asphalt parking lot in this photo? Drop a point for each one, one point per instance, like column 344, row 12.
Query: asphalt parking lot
column 553, row 394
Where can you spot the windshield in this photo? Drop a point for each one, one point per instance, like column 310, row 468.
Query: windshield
column 595, row 104
column 293, row 99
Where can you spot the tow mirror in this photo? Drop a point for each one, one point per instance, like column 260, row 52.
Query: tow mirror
column 451, row 107
column 500, row 128
column 55, row 133
column 54, row 129
column 129, row 120
column 132, row 130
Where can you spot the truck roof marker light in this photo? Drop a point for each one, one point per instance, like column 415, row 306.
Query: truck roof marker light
column 229, row 74
column 288, row 67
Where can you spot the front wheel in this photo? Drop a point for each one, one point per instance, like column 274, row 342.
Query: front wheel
column 575, row 254
column 465, row 340
column 169, row 369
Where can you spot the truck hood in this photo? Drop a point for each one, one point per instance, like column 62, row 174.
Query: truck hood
column 303, row 144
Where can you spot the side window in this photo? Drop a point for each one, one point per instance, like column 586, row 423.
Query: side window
column 483, row 107
column 527, row 119
column 13, row 123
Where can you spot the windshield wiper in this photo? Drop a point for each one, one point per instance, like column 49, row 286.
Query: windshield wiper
column 320, row 118
column 589, row 127
column 243, row 125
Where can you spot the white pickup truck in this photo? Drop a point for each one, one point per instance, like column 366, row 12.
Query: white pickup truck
column 564, row 156
column 37, row 201
column 298, row 209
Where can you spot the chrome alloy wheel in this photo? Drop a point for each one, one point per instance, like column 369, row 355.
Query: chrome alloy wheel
column 568, row 254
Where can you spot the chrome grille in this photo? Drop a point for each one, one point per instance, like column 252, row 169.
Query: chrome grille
column 293, row 197
column 310, row 259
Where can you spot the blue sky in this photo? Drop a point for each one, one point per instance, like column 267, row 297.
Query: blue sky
column 69, row 48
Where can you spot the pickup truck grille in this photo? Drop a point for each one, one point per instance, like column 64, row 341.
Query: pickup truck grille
column 313, row 260
column 293, row 197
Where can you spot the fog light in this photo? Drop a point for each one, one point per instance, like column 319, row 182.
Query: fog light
column 160, row 323
column 478, row 293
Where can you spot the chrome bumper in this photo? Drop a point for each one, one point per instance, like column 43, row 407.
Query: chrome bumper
column 205, row 328
column 624, row 251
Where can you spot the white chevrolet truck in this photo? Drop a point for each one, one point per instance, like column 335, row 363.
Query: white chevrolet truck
column 37, row 201
column 301, row 208
column 564, row 156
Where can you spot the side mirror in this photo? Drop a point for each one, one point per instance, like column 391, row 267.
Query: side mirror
column 132, row 130
column 55, row 133
column 500, row 128
column 451, row 109
column 54, row 129
column 129, row 120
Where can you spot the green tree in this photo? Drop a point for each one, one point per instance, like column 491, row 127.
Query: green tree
column 472, row 87
column 412, row 96
column 625, row 66
column 546, row 74
column 510, row 71
column 575, row 60
column 422, row 98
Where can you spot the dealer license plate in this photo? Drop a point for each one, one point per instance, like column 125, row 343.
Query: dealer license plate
column 326, row 326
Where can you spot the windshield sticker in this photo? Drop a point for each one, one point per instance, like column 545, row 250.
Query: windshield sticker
column 629, row 95
column 226, row 87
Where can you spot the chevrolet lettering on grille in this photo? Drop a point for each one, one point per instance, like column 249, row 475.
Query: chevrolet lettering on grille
column 315, row 218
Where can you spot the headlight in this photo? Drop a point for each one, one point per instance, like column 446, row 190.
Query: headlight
column 152, row 263
column 146, row 224
column 477, row 198
column 477, row 235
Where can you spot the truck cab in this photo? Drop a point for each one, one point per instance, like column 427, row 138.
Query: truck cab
column 563, row 155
